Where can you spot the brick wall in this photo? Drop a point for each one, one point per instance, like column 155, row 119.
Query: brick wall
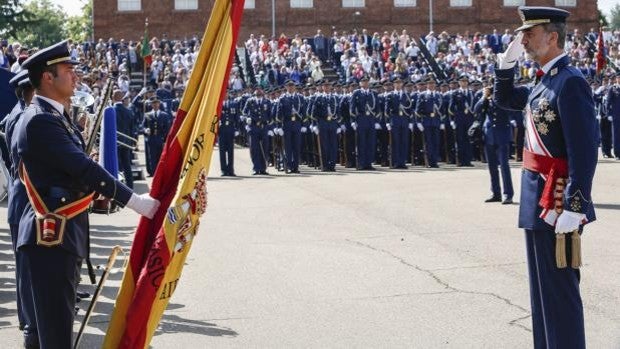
column 378, row 15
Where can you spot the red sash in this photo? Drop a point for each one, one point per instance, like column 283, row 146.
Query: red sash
column 553, row 168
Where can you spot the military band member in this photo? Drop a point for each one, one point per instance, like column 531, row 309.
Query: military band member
column 363, row 111
column 496, row 126
column 428, row 122
column 228, row 130
column 559, row 161
column 398, row 110
column 156, row 125
column 53, row 234
column 613, row 114
column 258, row 119
column 460, row 110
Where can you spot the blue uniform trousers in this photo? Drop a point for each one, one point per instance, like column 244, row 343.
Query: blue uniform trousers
column 557, row 311
column 463, row 145
column 400, row 141
column 431, row 137
column 606, row 142
column 497, row 155
column 292, row 146
column 155, row 148
column 124, row 165
column 226, row 144
column 329, row 143
column 366, row 144
column 259, row 147
column 53, row 306
column 616, row 135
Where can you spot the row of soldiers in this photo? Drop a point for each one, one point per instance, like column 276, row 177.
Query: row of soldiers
column 607, row 105
column 357, row 125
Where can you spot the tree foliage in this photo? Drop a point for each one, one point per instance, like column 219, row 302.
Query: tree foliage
column 615, row 17
column 13, row 17
column 46, row 27
column 79, row 28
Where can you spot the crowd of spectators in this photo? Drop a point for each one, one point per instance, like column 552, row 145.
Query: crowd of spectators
column 348, row 56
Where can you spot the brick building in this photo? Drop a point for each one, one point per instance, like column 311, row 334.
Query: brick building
column 184, row 18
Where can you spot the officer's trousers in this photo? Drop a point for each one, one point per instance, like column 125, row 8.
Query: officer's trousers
column 292, row 147
column 226, row 145
column 616, row 135
column 497, row 155
column 53, row 277
column 557, row 311
column 606, row 134
column 329, row 143
column 124, row 165
column 259, row 147
column 431, row 138
column 366, row 145
column 400, row 143
column 463, row 145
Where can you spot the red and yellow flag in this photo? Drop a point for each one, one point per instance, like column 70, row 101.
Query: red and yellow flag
column 161, row 245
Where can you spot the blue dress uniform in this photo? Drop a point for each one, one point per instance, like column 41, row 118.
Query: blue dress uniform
column 309, row 140
column 229, row 124
column 460, row 110
column 289, row 113
column 448, row 133
column 324, row 111
column 613, row 110
column 52, row 153
column 382, row 156
column 158, row 123
column 17, row 202
column 398, row 111
column 497, row 137
column 349, row 134
column 600, row 100
column 562, row 131
column 427, row 113
column 258, row 111
column 363, row 109
column 124, row 125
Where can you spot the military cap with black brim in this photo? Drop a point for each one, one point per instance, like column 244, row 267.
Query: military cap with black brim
column 55, row 54
column 20, row 79
column 536, row 15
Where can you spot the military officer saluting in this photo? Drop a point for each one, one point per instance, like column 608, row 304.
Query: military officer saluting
column 60, row 179
column 496, row 125
column 156, row 125
column 228, row 130
column 559, row 160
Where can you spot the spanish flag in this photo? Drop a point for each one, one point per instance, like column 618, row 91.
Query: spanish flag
column 161, row 245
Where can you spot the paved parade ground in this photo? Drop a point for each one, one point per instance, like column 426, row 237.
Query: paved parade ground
column 353, row 259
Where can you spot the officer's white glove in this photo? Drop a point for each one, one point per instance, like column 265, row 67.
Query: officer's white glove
column 568, row 222
column 236, row 133
column 247, row 128
column 411, row 127
column 377, row 126
column 304, row 129
column 598, row 117
column 143, row 204
column 316, row 130
column 442, row 127
column 142, row 91
column 388, row 126
column 453, row 125
column 281, row 132
column 609, row 118
column 420, row 127
column 343, row 127
column 513, row 123
column 508, row 59
column 147, row 131
column 270, row 133
column 242, row 118
column 354, row 126
column 338, row 130
column 248, row 121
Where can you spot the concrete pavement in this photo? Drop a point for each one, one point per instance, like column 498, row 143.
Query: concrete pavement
column 391, row 258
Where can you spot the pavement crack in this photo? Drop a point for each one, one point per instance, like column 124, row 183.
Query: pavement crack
column 495, row 265
column 398, row 295
column 438, row 279
column 516, row 323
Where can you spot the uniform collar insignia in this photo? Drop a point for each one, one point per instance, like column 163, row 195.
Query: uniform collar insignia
column 553, row 71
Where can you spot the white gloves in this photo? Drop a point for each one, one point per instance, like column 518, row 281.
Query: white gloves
column 377, row 126
column 315, row 129
column 248, row 121
column 453, row 125
column 354, row 126
column 442, row 127
column 278, row 131
column 142, row 91
column 388, row 126
column 343, row 127
column 304, row 129
column 568, row 222
column 143, row 204
column 247, row 128
column 147, row 131
column 411, row 127
column 509, row 58
column 236, row 133
column 513, row 123
column 270, row 133
column 420, row 127
column 338, row 130
column 609, row 118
